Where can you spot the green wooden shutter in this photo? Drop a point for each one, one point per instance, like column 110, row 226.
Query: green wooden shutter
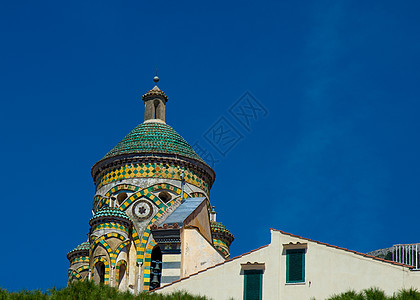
column 295, row 265
column 253, row 285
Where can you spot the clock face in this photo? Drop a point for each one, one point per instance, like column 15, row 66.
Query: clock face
column 142, row 210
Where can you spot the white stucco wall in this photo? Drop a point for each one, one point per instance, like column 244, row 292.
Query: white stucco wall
column 328, row 270
column 225, row 280
column 196, row 252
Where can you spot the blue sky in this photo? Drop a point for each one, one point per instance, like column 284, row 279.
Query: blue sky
column 334, row 159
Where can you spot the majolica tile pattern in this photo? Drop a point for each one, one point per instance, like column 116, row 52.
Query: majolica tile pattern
column 154, row 170
column 222, row 238
column 197, row 194
column 220, row 230
column 151, row 150
column 82, row 246
column 77, row 274
column 80, row 259
column 132, row 188
column 221, row 246
column 147, row 265
column 120, row 263
column 153, row 138
column 110, row 225
column 106, row 264
column 113, row 254
column 109, row 212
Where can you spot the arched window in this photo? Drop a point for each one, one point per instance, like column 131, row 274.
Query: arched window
column 155, row 268
column 121, row 198
column 100, row 270
column 121, row 273
column 155, row 112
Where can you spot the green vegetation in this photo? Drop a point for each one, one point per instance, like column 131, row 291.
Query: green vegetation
column 87, row 290
column 377, row 294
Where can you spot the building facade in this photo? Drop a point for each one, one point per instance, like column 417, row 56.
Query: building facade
column 152, row 220
column 293, row 267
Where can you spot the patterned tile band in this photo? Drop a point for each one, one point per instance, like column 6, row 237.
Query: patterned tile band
column 151, row 170
column 110, row 225
column 128, row 187
column 223, row 250
column 76, row 274
column 118, row 268
column 80, row 259
column 147, row 265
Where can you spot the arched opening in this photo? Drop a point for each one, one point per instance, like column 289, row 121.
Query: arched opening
column 121, row 198
column 155, row 112
column 100, row 271
column 155, row 268
column 121, row 273
column 112, row 201
column 165, row 196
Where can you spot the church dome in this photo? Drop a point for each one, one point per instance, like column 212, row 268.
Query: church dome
column 153, row 138
column 153, row 149
column 106, row 213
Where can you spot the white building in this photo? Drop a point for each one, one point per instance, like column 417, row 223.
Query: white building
column 293, row 267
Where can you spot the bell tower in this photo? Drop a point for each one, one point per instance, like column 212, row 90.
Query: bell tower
column 154, row 104
column 152, row 188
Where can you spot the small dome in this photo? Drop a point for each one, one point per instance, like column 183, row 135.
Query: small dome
column 153, row 138
column 219, row 230
column 82, row 246
column 109, row 212
column 80, row 250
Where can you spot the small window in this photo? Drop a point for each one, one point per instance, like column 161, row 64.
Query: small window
column 165, row 196
column 295, row 265
column 253, row 284
column 121, row 198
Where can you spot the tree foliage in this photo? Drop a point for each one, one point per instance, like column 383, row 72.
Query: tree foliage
column 87, row 290
column 377, row 294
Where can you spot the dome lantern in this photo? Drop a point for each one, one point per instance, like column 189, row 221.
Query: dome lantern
column 154, row 104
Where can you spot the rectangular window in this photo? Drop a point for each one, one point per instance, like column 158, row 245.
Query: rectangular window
column 295, row 265
column 253, row 284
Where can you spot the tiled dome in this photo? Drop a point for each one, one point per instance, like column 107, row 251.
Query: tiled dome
column 107, row 212
column 153, row 138
column 220, row 230
column 217, row 226
column 82, row 246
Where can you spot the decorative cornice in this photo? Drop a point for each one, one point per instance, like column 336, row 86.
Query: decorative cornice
column 107, row 164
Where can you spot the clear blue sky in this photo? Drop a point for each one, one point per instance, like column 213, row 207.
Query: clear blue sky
column 335, row 159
